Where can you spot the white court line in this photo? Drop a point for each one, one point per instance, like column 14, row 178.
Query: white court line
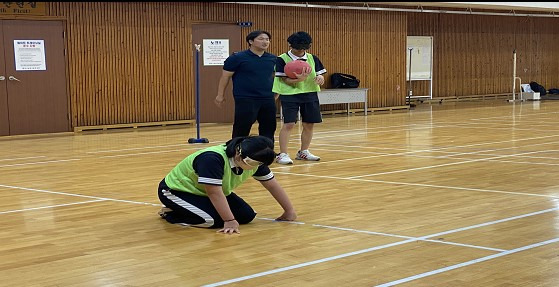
column 532, row 128
column 405, row 153
column 77, row 195
column 453, row 155
column 494, row 160
column 519, row 122
column 484, row 153
column 503, row 118
column 409, row 183
column 474, row 145
column 456, row 266
column 50, row 206
column 378, row 154
column 492, row 222
column 39, row 162
column 375, row 130
column 174, row 145
column 321, row 260
column 291, row 222
column 453, row 147
column 361, row 132
column 357, row 146
column 421, row 185
column 337, row 134
column 439, row 165
column 420, row 125
column 351, row 151
column 136, row 148
column 408, row 237
column 19, row 158
column 414, row 127
column 142, row 153
column 412, row 152
column 489, row 125
column 278, row 270
column 525, row 162
column 389, row 235
column 381, row 129
column 335, row 161
column 344, row 255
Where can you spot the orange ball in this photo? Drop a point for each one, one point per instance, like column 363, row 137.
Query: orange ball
column 293, row 67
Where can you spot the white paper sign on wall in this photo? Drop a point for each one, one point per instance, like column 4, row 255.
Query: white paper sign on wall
column 30, row 55
column 215, row 51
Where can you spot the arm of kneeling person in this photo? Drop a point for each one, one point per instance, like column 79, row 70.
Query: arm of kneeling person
column 281, row 197
column 215, row 193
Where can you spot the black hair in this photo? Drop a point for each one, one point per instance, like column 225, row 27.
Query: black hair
column 300, row 40
column 252, row 35
column 258, row 148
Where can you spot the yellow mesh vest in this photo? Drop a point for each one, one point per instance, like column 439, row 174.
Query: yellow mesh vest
column 183, row 177
column 305, row 86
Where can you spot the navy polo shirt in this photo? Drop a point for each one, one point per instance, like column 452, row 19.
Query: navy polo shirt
column 253, row 75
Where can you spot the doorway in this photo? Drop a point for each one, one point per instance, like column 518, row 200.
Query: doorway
column 33, row 90
column 211, row 73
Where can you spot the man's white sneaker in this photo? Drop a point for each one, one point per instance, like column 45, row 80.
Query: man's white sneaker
column 283, row 158
column 306, row 155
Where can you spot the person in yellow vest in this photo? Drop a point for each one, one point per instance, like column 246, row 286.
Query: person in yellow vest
column 198, row 192
column 298, row 95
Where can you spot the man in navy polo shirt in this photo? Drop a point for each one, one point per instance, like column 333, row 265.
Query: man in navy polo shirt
column 253, row 72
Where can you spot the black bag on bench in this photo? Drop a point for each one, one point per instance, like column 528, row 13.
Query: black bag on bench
column 343, row 81
column 538, row 88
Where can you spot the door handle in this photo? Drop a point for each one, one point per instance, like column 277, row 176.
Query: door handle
column 2, row 78
column 12, row 78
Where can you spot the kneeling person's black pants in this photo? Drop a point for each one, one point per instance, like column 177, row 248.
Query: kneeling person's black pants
column 198, row 210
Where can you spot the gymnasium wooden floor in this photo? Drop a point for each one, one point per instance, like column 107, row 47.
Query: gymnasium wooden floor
column 458, row 194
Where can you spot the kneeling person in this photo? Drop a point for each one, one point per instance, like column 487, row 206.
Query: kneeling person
column 199, row 190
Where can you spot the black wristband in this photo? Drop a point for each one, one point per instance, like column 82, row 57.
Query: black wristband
column 229, row 220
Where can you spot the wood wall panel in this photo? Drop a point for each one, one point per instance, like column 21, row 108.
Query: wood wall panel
column 129, row 62
column 133, row 62
column 473, row 54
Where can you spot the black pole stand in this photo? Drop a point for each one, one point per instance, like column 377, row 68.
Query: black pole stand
column 198, row 139
column 409, row 84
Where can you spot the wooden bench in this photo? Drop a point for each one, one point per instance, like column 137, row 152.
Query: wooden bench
column 343, row 96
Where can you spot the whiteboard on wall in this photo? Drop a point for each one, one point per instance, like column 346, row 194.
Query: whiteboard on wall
column 421, row 57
